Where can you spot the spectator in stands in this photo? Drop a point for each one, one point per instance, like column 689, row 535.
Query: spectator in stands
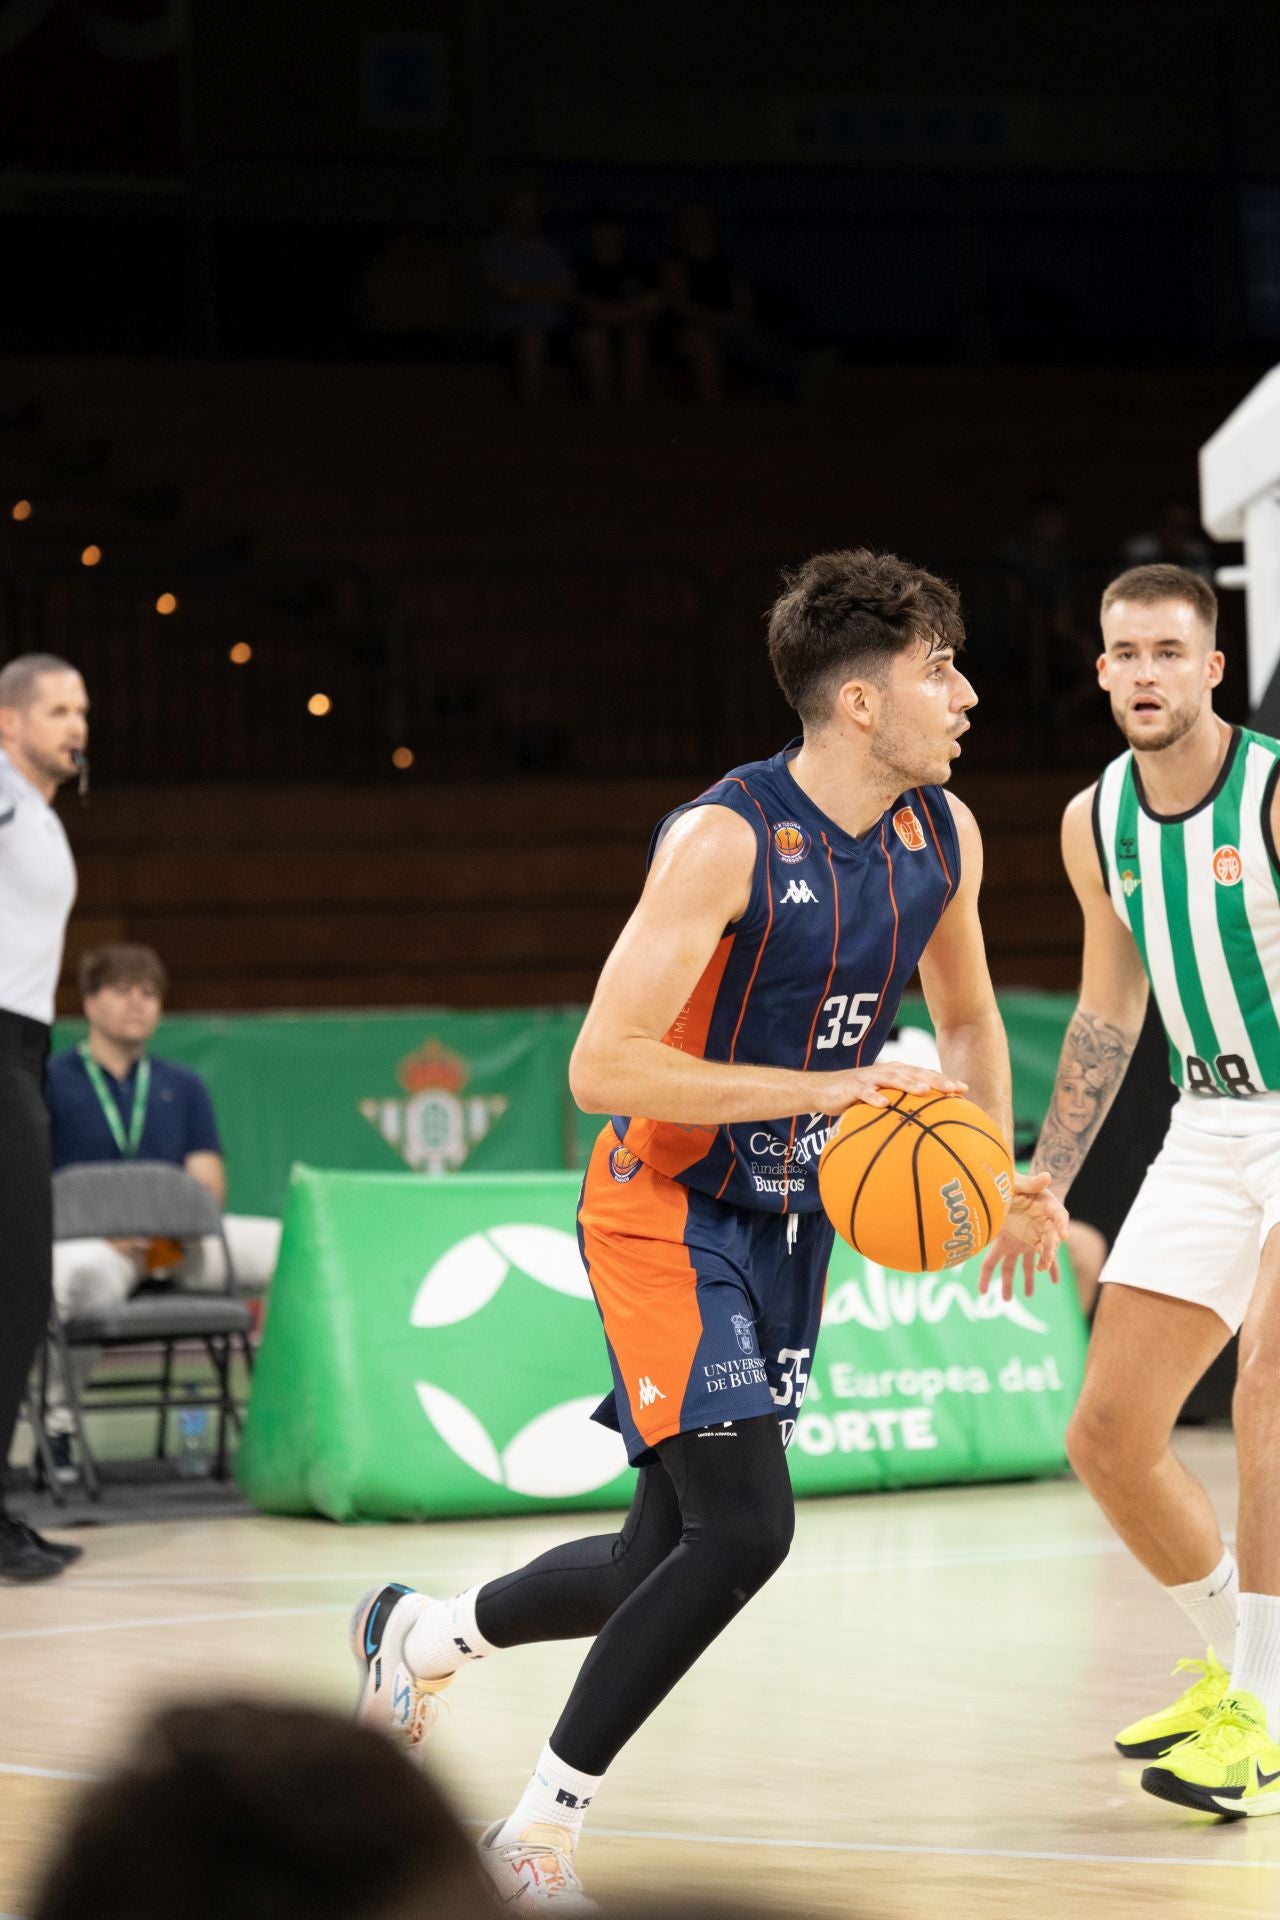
column 1052, row 639
column 109, row 1099
column 713, row 319
column 246, row 1808
column 530, row 290
column 1176, row 539
column 617, row 306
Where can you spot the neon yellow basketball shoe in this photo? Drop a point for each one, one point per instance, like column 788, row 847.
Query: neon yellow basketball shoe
column 1232, row 1768
column 1190, row 1713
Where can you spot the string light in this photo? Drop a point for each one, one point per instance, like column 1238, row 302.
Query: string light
column 402, row 758
column 241, row 653
column 167, row 603
column 21, row 510
column 318, row 704
column 91, row 556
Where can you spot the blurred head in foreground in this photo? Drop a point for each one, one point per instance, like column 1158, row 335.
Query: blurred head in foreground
column 243, row 1810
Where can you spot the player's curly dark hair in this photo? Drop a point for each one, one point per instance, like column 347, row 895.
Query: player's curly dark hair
column 850, row 612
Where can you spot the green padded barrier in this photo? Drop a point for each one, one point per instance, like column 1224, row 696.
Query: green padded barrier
column 431, row 1350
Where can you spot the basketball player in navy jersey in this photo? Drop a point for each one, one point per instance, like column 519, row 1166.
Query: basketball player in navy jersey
column 743, row 1006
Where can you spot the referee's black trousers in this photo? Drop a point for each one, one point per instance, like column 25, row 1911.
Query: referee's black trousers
column 26, row 1214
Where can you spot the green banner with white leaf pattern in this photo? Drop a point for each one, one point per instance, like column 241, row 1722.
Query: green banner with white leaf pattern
column 432, row 1350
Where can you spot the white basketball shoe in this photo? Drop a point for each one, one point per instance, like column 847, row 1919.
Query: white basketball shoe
column 392, row 1698
column 534, row 1871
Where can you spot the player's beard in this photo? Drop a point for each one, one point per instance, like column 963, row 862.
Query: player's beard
column 1178, row 724
column 902, row 755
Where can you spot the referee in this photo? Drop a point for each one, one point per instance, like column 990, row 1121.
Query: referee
column 43, row 730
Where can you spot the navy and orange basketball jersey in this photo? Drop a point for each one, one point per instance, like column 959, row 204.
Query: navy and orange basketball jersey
column 809, row 978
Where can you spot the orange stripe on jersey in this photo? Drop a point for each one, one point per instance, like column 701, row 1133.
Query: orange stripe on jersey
column 951, row 885
column 688, row 1031
column 768, row 928
column 665, row 1144
column 893, row 952
column 835, row 948
column 813, row 1024
column 644, row 1282
column 733, row 1161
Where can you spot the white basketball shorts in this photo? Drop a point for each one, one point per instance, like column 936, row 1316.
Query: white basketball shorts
column 1210, row 1198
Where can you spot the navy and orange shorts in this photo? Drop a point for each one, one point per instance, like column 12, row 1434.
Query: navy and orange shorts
column 711, row 1312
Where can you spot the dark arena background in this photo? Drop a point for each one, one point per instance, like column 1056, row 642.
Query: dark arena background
column 408, row 411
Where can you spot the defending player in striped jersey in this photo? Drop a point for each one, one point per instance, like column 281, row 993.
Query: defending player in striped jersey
column 1173, row 855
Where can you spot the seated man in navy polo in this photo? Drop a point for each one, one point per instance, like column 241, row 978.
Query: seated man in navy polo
column 109, row 1099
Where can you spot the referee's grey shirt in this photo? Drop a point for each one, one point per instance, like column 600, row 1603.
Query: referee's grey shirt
column 37, row 890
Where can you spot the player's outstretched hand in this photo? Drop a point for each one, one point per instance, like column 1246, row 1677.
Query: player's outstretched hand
column 1033, row 1226
column 868, row 1084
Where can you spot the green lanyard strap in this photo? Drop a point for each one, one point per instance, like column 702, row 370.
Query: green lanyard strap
column 127, row 1144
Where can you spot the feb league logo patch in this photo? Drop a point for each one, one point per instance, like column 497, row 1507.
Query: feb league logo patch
column 909, row 830
column 1228, row 867
column 623, row 1165
column 790, row 842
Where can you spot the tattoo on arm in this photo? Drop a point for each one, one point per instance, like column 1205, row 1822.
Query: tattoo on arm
column 1093, row 1062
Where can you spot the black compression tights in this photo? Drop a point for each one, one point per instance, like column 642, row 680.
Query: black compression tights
column 706, row 1529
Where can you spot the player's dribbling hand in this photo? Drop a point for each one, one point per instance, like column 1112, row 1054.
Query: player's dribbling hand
column 1034, row 1225
column 868, row 1084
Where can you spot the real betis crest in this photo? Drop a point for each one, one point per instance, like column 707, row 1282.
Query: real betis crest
column 437, row 1124
column 1130, row 881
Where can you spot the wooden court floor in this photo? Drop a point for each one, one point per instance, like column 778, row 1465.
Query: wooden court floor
column 914, row 1717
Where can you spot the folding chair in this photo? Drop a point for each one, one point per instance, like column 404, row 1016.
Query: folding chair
column 144, row 1199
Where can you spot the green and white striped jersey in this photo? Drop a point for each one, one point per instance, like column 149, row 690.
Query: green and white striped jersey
column 1200, row 892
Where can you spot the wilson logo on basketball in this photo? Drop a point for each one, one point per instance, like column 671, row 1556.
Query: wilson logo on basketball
column 1228, row 867
column 790, row 842
column 623, row 1165
column 961, row 1243
column 909, row 830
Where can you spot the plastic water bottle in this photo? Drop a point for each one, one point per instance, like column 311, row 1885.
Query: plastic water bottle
column 193, row 1453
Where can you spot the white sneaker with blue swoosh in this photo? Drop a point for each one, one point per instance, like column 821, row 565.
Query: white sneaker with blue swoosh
column 392, row 1699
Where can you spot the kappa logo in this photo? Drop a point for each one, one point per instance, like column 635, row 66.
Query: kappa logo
column 561, row 1451
column 648, row 1392
column 909, row 830
column 1228, row 867
column 800, row 891
column 790, row 842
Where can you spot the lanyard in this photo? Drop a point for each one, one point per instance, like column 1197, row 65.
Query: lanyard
column 128, row 1145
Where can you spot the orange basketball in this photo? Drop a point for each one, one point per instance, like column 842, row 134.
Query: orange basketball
column 919, row 1185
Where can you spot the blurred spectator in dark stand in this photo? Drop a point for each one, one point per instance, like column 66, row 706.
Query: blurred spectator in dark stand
column 1176, row 539
column 713, row 322
column 529, row 288
column 1052, row 626
column 618, row 304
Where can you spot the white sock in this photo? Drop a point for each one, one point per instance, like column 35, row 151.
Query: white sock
column 1211, row 1605
column 1256, row 1668
column 556, row 1796
column 445, row 1636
